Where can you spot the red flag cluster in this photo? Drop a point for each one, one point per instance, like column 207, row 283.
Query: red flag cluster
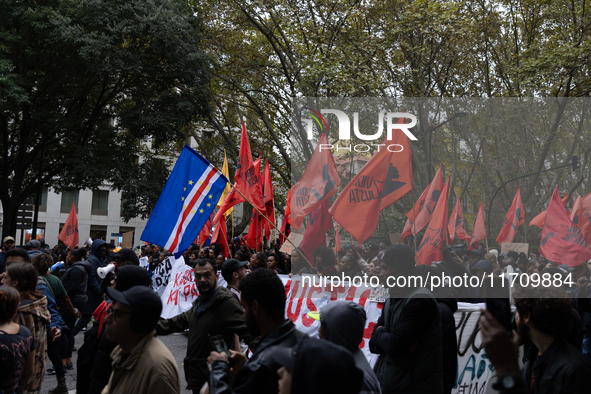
column 384, row 179
column 561, row 241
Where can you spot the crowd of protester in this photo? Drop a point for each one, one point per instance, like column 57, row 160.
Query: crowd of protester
column 239, row 340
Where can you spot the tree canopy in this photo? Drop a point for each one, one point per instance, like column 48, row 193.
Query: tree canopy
column 89, row 89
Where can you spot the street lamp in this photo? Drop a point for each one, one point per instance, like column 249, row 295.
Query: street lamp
column 460, row 114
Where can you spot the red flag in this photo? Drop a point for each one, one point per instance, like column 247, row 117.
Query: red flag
column 515, row 217
column 541, row 217
column 246, row 180
column 337, row 239
column 456, row 223
column 287, row 214
column 254, row 238
column 407, row 231
column 319, row 182
column 479, row 230
column 561, row 241
column 586, row 231
column 576, row 211
column 315, row 235
column 425, row 206
column 433, row 242
column 268, row 199
column 220, row 236
column 585, row 216
column 69, row 234
column 359, row 204
column 286, row 224
column 205, row 233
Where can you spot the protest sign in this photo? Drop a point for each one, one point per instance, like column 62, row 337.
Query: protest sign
column 144, row 263
column 161, row 275
column 395, row 238
column 517, row 247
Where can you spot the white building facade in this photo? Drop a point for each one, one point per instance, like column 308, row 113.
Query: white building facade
column 98, row 214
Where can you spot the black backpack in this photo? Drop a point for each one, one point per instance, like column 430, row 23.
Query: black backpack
column 65, row 278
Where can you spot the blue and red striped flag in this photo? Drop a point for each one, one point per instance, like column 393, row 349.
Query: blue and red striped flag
column 186, row 202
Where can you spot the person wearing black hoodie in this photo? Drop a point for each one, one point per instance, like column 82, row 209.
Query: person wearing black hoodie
column 315, row 366
column 98, row 259
column 449, row 341
column 342, row 323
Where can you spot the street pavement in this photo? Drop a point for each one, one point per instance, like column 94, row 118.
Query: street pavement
column 176, row 343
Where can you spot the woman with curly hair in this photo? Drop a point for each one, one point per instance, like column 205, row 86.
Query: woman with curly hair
column 33, row 314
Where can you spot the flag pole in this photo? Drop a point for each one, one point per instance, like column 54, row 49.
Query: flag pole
column 280, row 232
column 525, row 227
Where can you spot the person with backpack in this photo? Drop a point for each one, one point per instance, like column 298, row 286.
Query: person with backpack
column 75, row 281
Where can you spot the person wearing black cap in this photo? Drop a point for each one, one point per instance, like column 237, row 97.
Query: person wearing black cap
column 314, row 366
column 94, row 357
column 263, row 300
column 407, row 335
column 474, row 256
column 342, row 323
column 142, row 364
column 233, row 271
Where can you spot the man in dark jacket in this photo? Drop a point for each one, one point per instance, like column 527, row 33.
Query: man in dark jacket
column 552, row 364
column 215, row 312
column 263, row 299
column 98, row 259
column 407, row 335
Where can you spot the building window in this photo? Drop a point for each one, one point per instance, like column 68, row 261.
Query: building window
column 69, row 196
column 43, row 200
column 100, row 202
column 40, row 232
column 98, row 232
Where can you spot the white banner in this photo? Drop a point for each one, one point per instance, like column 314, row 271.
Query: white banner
column 161, row 275
column 474, row 368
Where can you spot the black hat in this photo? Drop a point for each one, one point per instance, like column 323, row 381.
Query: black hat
column 319, row 366
column 402, row 257
column 127, row 255
column 145, row 302
column 129, row 276
column 477, row 252
column 230, row 266
column 484, row 265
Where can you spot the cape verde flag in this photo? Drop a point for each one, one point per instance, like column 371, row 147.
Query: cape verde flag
column 186, row 202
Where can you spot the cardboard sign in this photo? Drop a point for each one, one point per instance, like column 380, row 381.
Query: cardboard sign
column 127, row 241
column 395, row 238
column 295, row 238
column 517, row 247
